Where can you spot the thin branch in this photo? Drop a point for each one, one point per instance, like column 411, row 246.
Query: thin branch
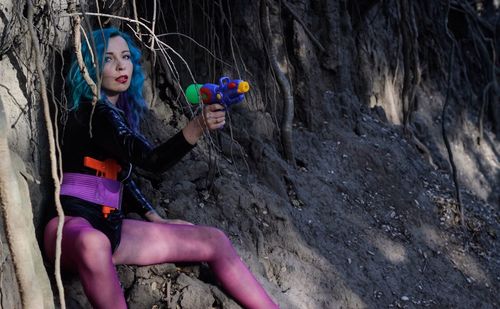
column 231, row 36
column 157, row 41
column 153, row 61
column 197, row 44
column 134, row 8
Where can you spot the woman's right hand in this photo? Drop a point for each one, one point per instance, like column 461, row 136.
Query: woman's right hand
column 214, row 116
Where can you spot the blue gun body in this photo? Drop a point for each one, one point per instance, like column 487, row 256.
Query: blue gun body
column 227, row 92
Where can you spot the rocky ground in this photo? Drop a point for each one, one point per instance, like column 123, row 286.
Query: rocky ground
column 364, row 221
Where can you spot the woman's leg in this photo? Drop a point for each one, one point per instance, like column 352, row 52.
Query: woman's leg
column 87, row 251
column 146, row 243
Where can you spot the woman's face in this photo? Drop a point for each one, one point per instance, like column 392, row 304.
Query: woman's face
column 118, row 68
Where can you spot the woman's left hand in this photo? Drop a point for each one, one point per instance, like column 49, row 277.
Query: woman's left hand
column 153, row 216
column 175, row 221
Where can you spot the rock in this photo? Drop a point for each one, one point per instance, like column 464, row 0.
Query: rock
column 143, row 272
column 164, row 269
column 225, row 302
column 197, row 170
column 195, row 294
column 185, row 187
column 143, row 295
column 126, row 275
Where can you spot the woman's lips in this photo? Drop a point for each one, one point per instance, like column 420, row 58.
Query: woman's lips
column 122, row 79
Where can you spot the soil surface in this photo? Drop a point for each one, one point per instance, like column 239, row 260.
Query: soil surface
column 363, row 222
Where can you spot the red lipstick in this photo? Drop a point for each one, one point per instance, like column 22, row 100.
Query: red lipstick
column 122, row 79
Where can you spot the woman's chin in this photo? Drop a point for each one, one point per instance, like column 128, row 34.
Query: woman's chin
column 115, row 91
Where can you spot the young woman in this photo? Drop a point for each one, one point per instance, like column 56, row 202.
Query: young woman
column 100, row 148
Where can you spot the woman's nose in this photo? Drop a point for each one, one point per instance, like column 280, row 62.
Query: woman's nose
column 120, row 65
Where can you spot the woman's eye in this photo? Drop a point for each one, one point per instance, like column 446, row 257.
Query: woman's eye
column 126, row 57
column 107, row 59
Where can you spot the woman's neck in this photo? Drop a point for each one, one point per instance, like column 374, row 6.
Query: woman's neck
column 112, row 96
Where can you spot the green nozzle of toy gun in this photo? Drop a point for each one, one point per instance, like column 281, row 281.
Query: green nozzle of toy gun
column 193, row 93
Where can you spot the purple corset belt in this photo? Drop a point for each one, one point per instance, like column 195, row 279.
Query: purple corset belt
column 95, row 189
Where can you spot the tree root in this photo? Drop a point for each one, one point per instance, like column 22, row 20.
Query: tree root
column 52, row 150
column 443, row 128
column 283, row 82
column 425, row 151
column 447, row 142
column 411, row 78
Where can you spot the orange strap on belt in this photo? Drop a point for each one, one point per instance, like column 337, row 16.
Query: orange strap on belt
column 109, row 169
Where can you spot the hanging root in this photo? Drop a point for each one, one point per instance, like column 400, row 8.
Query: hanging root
column 410, row 60
column 52, row 149
column 424, row 150
column 447, row 142
column 443, row 127
column 283, row 82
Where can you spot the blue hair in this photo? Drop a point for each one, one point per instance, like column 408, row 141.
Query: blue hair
column 131, row 102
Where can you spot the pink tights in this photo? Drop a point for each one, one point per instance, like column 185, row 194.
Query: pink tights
column 88, row 252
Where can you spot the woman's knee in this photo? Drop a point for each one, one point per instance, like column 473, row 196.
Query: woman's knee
column 218, row 234
column 81, row 245
column 92, row 241
column 93, row 249
column 219, row 241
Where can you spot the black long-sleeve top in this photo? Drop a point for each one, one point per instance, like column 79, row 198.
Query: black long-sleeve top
column 111, row 138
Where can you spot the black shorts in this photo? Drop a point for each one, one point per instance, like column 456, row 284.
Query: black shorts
column 110, row 226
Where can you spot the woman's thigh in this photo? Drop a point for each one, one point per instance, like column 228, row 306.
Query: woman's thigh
column 76, row 234
column 146, row 243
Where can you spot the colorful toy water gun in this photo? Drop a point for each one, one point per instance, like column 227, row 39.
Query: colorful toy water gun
column 227, row 92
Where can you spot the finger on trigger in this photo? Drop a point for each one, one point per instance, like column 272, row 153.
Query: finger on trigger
column 217, row 107
column 219, row 114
